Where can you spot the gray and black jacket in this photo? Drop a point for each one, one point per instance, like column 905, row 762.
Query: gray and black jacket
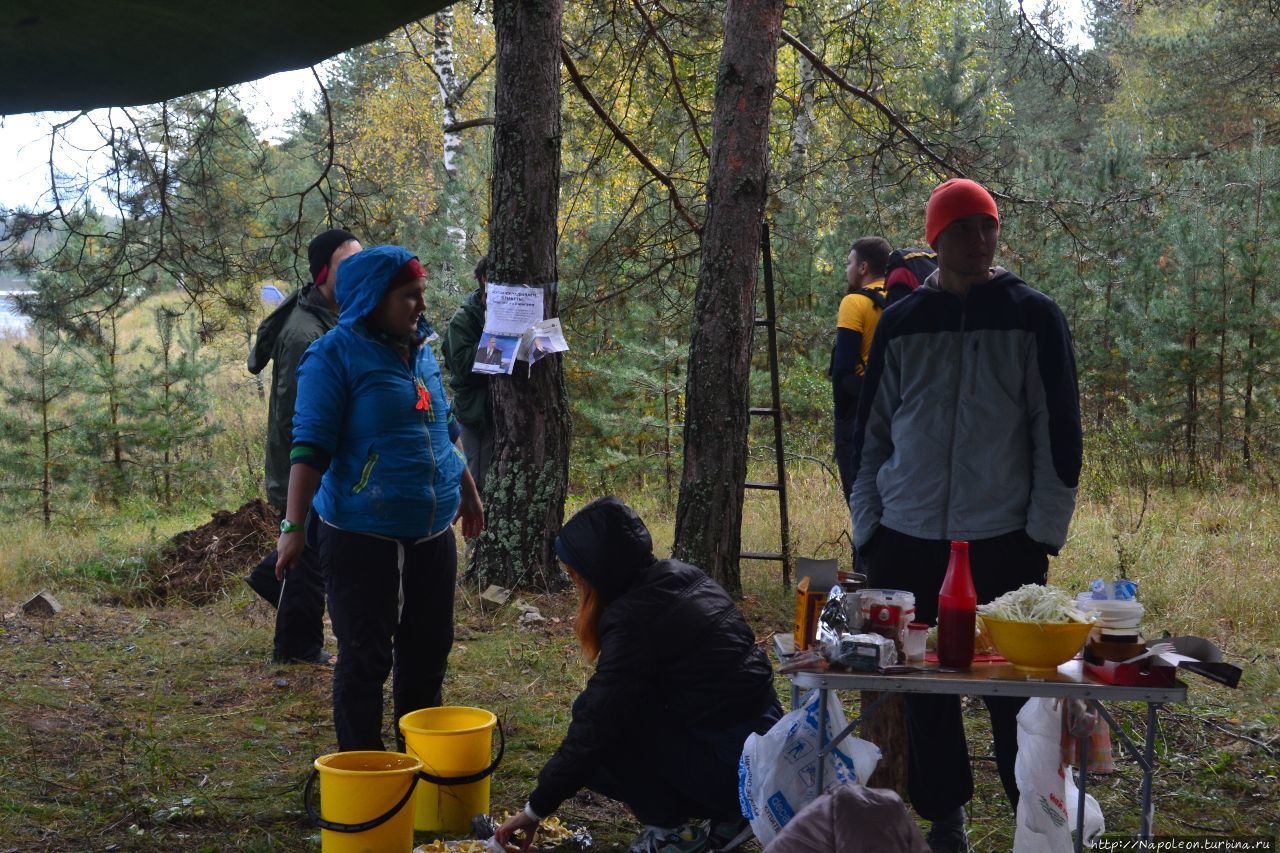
column 968, row 426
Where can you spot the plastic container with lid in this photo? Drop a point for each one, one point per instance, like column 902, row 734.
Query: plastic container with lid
column 888, row 612
column 917, row 632
column 1118, row 619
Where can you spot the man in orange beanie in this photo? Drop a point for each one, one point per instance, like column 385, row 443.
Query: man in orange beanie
column 968, row 428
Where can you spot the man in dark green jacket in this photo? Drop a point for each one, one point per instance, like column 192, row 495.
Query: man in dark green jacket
column 283, row 337
column 470, row 390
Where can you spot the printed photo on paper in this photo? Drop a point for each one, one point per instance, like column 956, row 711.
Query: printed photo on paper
column 541, row 340
column 495, row 354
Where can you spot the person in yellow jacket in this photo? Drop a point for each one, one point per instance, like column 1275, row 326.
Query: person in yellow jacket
column 859, row 312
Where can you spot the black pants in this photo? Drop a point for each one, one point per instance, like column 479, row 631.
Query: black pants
column 669, row 777
column 939, row 778
column 377, row 637
column 299, row 603
column 844, row 454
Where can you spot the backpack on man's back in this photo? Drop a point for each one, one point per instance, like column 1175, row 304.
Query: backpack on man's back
column 906, row 270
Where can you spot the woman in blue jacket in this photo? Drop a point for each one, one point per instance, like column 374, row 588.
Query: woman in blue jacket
column 373, row 456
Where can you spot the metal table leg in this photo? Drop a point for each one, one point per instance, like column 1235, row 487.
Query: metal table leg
column 1082, row 746
column 822, row 736
column 1145, row 758
column 1149, row 752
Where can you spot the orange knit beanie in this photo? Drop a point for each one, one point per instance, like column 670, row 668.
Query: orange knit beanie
column 952, row 200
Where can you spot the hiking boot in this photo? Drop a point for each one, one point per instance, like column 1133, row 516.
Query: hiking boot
column 317, row 658
column 726, row 835
column 948, row 835
column 686, row 838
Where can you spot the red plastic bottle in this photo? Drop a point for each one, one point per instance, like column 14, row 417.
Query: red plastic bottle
column 957, row 611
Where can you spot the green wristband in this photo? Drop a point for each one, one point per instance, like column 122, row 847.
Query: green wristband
column 287, row 526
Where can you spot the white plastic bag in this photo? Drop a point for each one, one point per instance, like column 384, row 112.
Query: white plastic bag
column 778, row 771
column 1047, row 793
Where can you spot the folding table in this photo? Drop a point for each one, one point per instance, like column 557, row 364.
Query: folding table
column 1002, row 679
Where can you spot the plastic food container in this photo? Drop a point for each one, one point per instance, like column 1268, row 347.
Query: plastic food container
column 916, row 634
column 1117, row 619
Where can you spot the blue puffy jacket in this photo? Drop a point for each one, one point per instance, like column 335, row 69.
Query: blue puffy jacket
column 393, row 469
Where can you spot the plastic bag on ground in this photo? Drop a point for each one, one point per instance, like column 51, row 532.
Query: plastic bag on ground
column 778, row 771
column 1047, row 793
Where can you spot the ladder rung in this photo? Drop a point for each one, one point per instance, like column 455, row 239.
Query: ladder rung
column 757, row 485
column 763, row 321
column 759, row 555
column 762, row 410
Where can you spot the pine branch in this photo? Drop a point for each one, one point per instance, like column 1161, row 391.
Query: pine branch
column 661, row 176
column 938, row 160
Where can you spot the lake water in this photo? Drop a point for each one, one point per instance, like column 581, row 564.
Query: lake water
column 11, row 322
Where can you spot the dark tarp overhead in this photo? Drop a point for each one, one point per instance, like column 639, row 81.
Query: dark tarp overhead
column 79, row 54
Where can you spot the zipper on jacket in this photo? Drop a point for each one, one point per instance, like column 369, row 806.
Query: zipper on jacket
column 366, row 473
column 426, row 432
column 955, row 415
column 973, row 374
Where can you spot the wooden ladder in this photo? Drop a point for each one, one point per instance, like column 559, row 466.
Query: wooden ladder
column 774, row 411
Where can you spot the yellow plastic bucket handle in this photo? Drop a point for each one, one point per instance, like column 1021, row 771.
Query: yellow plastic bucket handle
column 333, row 826
column 473, row 777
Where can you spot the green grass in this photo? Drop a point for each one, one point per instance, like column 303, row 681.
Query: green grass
column 162, row 729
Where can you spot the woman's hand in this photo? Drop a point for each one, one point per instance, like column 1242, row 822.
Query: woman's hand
column 289, row 548
column 520, row 823
column 470, row 509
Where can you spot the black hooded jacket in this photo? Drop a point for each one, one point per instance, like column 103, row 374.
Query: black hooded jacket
column 675, row 651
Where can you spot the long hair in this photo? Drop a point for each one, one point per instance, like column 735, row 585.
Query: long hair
column 586, row 624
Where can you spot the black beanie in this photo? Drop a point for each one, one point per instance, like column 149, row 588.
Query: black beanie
column 321, row 249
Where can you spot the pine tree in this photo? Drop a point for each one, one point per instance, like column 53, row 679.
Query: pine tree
column 36, row 421
column 104, row 426
column 171, row 407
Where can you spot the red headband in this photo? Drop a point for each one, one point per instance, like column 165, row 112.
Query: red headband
column 322, row 275
column 411, row 271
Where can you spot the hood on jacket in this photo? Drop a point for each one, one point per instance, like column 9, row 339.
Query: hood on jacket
column 998, row 276
column 608, row 544
column 364, row 280
column 305, row 298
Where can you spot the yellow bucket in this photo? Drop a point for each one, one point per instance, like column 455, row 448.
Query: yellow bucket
column 363, row 799
column 454, row 744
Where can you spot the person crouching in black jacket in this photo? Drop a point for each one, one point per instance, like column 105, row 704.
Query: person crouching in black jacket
column 679, row 685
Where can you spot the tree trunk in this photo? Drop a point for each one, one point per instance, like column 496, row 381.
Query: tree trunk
column 451, row 88
column 1220, row 416
column 528, row 478
column 887, row 729
column 709, row 511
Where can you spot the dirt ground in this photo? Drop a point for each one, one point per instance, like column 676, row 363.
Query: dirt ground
column 166, row 727
column 194, row 566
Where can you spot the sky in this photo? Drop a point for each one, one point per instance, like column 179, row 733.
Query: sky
column 24, row 139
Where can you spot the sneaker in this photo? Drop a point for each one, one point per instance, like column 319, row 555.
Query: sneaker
column 687, row 838
column 726, row 835
column 948, row 835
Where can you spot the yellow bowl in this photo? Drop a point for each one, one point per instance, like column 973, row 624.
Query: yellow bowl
column 1036, row 646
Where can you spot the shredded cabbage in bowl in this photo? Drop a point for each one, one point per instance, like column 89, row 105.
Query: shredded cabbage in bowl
column 1035, row 602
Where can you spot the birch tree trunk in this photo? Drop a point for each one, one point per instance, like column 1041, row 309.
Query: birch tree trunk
column 709, row 511
column 525, row 489
column 451, row 89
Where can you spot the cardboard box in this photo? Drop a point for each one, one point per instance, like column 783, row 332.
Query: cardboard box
column 811, row 595
column 1191, row 654
column 1140, row 674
